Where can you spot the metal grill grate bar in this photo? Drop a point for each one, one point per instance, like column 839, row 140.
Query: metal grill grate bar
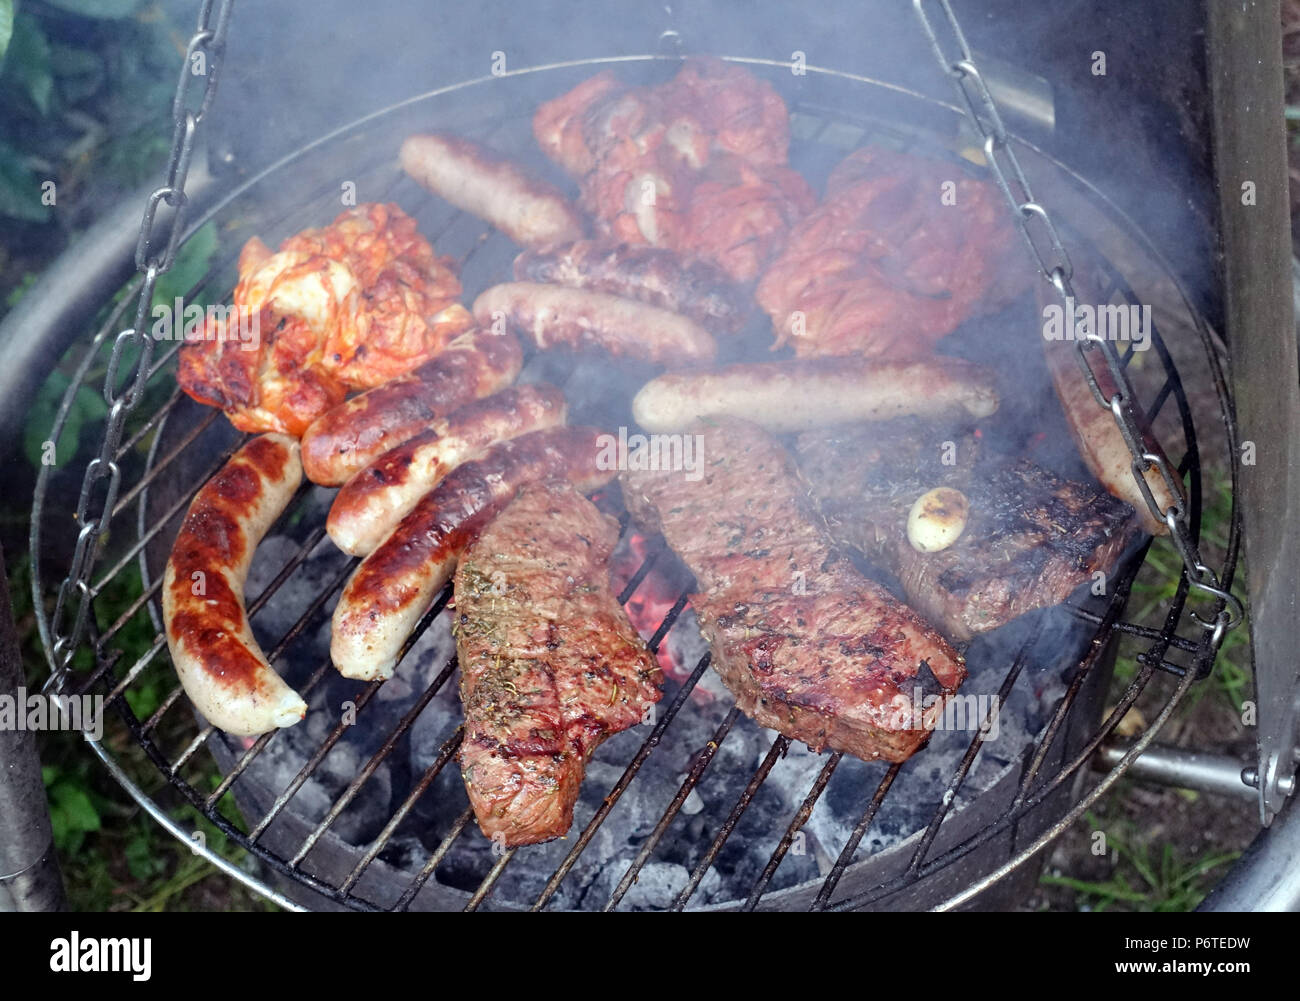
column 404, row 901
column 361, row 701
column 850, row 848
column 796, row 824
column 376, row 759
column 621, row 785
column 445, row 754
column 702, row 761
column 774, row 753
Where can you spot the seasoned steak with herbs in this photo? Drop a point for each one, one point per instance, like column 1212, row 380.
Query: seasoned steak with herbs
column 1030, row 539
column 550, row 665
column 807, row 644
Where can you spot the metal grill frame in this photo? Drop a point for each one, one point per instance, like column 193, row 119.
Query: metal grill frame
column 107, row 678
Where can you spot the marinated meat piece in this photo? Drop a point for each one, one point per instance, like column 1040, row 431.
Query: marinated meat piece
column 347, row 306
column 807, row 644
column 550, row 664
column 1030, row 539
column 697, row 164
column 886, row 265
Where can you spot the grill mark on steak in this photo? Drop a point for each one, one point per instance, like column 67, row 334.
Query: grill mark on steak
column 550, row 664
column 1031, row 537
column 807, row 644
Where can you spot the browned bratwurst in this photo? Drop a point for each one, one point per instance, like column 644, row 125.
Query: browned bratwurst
column 1101, row 445
column 478, row 180
column 807, row 393
column 223, row 670
column 396, row 584
column 354, row 434
column 371, row 504
column 661, row 277
column 553, row 315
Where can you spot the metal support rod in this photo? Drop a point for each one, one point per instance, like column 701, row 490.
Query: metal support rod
column 1244, row 49
column 29, row 872
column 1182, row 768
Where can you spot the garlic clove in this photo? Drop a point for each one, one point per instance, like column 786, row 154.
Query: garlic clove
column 937, row 519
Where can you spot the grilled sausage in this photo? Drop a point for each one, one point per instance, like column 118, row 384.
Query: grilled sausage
column 377, row 498
column 349, row 437
column 221, row 667
column 661, row 277
column 384, row 598
column 1101, row 445
column 1098, row 437
column 528, row 210
column 798, row 395
column 553, row 315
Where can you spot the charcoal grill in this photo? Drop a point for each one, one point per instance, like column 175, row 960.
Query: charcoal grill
column 965, row 845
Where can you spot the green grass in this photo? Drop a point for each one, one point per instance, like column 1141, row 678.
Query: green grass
column 1150, row 874
column 1154, row 589
column 1146, row 877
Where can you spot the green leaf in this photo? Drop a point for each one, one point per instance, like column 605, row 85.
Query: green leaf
column 105, row 10
column 142, row 858
column 20, row 191
column 72, row 814
column 87, row 406
column 80, row 810
column 192, row 261
column 27, row 66
column 6, row 26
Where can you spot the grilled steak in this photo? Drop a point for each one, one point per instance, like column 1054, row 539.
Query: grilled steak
column 807, row 645
column 550, row 665
column 1030, row 539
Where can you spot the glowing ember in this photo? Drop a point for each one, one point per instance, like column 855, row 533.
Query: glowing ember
column 652, row 600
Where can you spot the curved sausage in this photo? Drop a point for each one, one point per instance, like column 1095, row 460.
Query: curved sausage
column 1101, row 445
column 809, row 393
column 349, row 437
column 554, row 315
column 377, row 498
column 384, row 598
column 221, row 667
column 693, row 287
column 527, row 209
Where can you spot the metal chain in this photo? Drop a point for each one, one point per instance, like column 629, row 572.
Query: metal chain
column 155, row 251
column 1045, row 245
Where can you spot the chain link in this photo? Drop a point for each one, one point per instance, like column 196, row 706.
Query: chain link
column 1054, row 262
column 155, row 252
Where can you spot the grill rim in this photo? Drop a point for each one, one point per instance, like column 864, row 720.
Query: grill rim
column 1209, row 344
